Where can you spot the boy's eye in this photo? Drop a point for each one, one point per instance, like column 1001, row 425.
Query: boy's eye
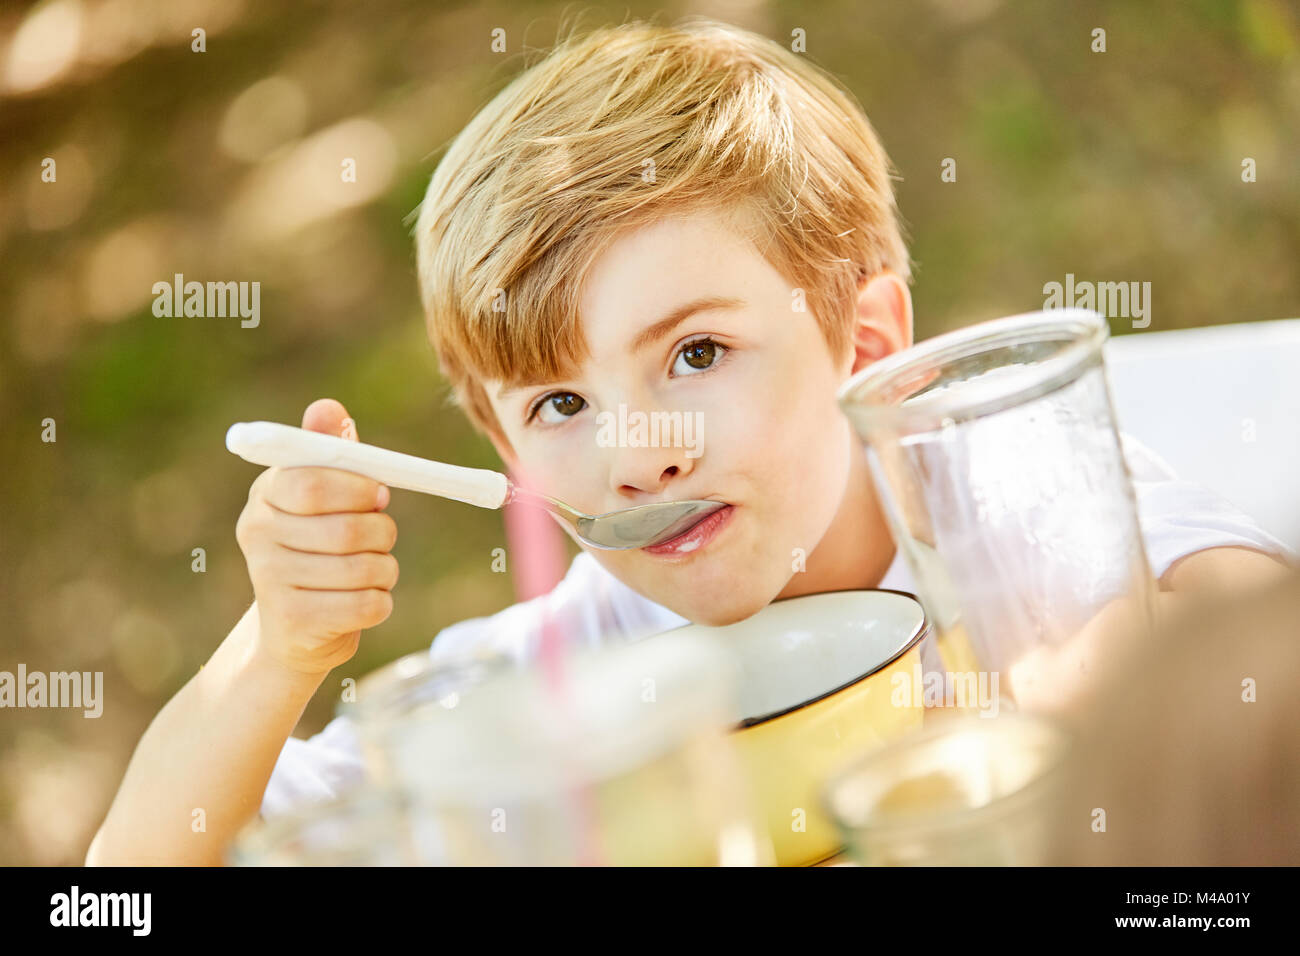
column 699, row 356
column 559, row 405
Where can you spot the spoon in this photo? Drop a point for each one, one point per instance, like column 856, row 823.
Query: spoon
column 273, row 444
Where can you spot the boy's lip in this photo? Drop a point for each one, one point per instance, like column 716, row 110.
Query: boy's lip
column 695, row 537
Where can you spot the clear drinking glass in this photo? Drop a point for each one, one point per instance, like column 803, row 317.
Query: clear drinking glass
column 409, row 688
column 371, row 823
column 364, row 826
column 962, row 792
column 623, row 758
column 1000, row 471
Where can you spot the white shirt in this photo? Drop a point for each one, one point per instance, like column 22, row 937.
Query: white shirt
column 593, row 607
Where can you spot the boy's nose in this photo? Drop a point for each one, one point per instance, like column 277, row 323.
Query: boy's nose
column 651, row 450
column 639, row 475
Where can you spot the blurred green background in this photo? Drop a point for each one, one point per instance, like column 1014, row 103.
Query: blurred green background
column 224, row 165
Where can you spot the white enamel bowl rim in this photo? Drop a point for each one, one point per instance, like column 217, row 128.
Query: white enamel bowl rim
column 922, row 629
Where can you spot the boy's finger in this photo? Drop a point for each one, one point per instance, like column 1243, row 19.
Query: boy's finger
column 261, row 484
column 335, row 572
column 327, row 416
column 318, row 491
column 336, row 534
column 343, row 611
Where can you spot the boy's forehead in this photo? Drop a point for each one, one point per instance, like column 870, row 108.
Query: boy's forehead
column 649, row 275
column 643, row 276
column 680, row 235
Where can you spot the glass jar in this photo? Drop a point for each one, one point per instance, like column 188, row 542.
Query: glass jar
column 626, row 761
column 964, row 791
column 364, row 826
column 1000, row 471
column 410, row 688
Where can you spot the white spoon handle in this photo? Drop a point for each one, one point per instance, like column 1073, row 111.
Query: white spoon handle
column 273, row 444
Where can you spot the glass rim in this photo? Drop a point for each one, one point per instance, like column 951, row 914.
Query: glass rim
column 382, row 806
column 390, row 685
column 1061, row 743
column 529, row 757
column 1084, row 332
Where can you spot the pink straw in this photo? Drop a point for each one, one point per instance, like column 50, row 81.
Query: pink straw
column 537, row 546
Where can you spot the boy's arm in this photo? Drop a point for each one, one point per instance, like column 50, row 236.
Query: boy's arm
column 1223, row 569
column 317, row 545
column 1058, row 679
column 212, row 748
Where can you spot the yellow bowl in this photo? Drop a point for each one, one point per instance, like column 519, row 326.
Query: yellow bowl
column 817, row 689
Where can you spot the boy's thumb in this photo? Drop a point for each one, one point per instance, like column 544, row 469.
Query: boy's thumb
column 329, row 417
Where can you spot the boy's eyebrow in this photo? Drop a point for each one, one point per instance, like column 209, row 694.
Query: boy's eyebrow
column 652, row 333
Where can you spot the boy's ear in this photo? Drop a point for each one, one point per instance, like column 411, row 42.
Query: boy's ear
column 882, row 321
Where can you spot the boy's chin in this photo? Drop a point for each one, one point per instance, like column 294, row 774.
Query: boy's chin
column 718, row 612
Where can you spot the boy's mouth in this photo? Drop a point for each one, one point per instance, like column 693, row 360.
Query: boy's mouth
column 696, row 536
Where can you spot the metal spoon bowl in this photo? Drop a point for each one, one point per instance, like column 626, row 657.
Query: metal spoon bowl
column 638, row 527
column 283, row 446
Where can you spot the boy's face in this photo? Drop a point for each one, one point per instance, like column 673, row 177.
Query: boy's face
column 760, row 428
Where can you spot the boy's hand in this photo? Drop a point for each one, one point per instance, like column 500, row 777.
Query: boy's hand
column 316, row 542
column 1059, row 679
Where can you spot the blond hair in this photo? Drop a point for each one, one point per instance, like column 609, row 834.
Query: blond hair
column 612, row 131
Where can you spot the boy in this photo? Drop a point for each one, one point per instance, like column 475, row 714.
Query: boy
column 687, row 220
